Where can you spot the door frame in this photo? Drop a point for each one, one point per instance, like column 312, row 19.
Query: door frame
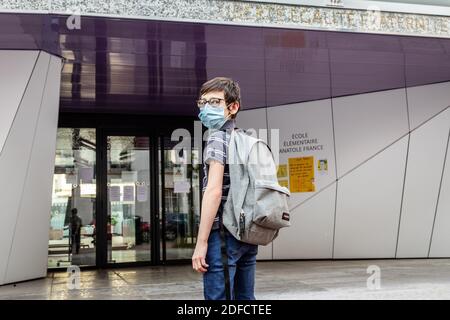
column 155, row 127
column 155, row 214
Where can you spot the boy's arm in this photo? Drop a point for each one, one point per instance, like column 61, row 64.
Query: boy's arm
column 210, row 204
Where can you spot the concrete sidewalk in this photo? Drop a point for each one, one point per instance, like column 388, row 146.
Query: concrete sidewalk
column 399, row 279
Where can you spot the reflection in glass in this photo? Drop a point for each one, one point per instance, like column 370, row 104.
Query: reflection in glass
column 181, row 201
column 72, row 223
column 128, row 182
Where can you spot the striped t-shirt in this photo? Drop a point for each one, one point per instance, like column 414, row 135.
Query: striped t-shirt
column 217, row 149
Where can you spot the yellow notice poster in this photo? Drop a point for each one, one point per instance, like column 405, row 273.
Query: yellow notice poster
column 301, row 174
column 282, row 171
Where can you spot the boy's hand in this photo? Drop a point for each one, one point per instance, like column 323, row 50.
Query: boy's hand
column 199, row 257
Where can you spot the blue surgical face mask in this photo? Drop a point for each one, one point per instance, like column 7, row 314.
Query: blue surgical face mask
column 212, row 117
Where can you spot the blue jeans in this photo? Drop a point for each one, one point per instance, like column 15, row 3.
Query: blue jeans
column 241, row 266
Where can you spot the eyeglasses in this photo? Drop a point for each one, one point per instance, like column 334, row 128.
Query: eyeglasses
column 214, row 102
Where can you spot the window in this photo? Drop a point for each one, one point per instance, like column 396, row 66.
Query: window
column 72, row 236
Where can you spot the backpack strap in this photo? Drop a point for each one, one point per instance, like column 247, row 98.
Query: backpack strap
column 223, row 244
column 226, row 270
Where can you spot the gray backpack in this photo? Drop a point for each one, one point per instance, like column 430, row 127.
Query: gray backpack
column 257, row 206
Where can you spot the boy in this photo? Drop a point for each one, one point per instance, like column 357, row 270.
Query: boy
column 219, row 103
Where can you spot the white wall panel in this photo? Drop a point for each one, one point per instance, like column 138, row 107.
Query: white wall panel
column 440, row 243
column 28, row 258
column 368, row 206
column 426, row 101
column 256, row 119
column 313, row 118
column 15, row 158
column 253, row 119
column 425, row 162
column 311, row 234
column 12, row 85
column 365, row 124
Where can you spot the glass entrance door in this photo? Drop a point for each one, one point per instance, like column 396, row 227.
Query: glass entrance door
column 150, row 199
column 180, row 199
column 124, row 196
column 128, row 202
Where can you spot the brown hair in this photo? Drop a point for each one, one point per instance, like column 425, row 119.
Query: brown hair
column 230, row 88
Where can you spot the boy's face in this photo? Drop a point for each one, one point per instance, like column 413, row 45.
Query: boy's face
column 232, row 108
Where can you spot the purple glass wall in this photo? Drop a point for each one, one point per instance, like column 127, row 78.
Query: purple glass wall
column 155, row 67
